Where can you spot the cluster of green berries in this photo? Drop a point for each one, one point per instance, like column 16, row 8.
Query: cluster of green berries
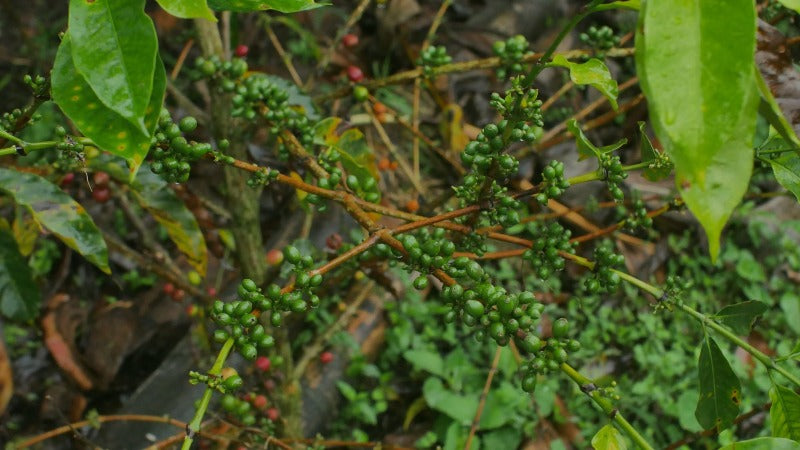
column 238, row 319
column 262, row 177
column 224, row 72
column 172, row 153
column 520, row 105
column 487, row 148
column 250, row 410
column 9, row 119
column 223, row 383
column 511, row 52
column 603, row 277
column 70, row 151
column 613, row 174
column 601, row 39
column 638, row 217
column 426, row 251
column 554, row 182
column 433, row 57
column 366, row 187
column 37, row 83
column 550, row 355
column 548, row 242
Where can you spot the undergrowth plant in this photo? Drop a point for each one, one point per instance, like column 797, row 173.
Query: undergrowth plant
column 489, row 345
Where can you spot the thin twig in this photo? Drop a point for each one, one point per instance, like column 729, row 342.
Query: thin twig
column 282, row 53
column 484, row 394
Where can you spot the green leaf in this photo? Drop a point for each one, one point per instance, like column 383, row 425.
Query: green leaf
column 19, row 296
column 656, row 171
column 786, row 168
column 585, row 147
column 188, row 9
column 771, row 110
column 695, row 64
column 505, row 437
column 284, row 6
column 633, row 5
column 503, row 405
column 106, row 128
column 741, row 316
column 460, row 408
column 763, row 443
column 720, row 390
column 791, row 4
column 790, row 304
column 114, row 48
column 608, row 438
column 59, row 213
column 348, row 392
column 356, row 156
column 785, row 413
column 594, row 73
column 425, row 360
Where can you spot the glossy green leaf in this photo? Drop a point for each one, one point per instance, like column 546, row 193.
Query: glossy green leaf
column 741, row 316
column 284, row 6
column 695, row 65
column 720, row 390
column 786, row 168
column 58, row 212
column 102, row 125
column 608, row 438
column 791, row 4
column 460, row 408
column 633, row 5
column 188, row 9
column 114, row 48
column 593, row 73
column 763, row 443
column 771, row 110
column 585, row 147
column 19, row 296
column 659, row 169
column 154, row 195
column 785, row 413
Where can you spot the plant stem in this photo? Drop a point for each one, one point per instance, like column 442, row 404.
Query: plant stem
column 216, row 369
column 587, row 386
column 11, row 137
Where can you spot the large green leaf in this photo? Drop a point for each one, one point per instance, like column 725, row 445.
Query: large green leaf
column 114, row 48
column 791, row 4
column 720, row 390
column 763, row 443
column 594, row 73
column 188, row 9
column 695, row 65
column 19, row 296
column 154, row 194
column 740, row 316
column 785, row 413
column 284, row 6
column 59, row 213
column 109, row 130
column 460, row 408
column 633, row 5
column 608, row 438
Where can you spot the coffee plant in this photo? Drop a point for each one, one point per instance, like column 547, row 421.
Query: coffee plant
column 484, row 273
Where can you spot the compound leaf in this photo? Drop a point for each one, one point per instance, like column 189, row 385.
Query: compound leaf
column 695, row 64
column 58, row 212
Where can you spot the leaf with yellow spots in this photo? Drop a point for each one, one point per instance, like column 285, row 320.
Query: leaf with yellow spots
column 720, row 389
column 109, row 130
column 56, row 211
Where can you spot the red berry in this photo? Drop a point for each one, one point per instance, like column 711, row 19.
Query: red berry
column 101, row 179
column 178, row 295
column 354, row 74
column 259, row 401
column 67, row 179
column 241, row 50
column 349, row 40
column 263, row 363
column 101, row 195
column 326, row 357
column 273, row 414
column 169, row 289
column 274, row 257
column 269, row 385
column 212, row 291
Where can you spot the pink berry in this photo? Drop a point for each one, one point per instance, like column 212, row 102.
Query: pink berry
column 355, row 74
column 349, row 40
column 259, row 401
column 263, row 363
column 273, row 414
column 241, row 50
column 326, row 357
